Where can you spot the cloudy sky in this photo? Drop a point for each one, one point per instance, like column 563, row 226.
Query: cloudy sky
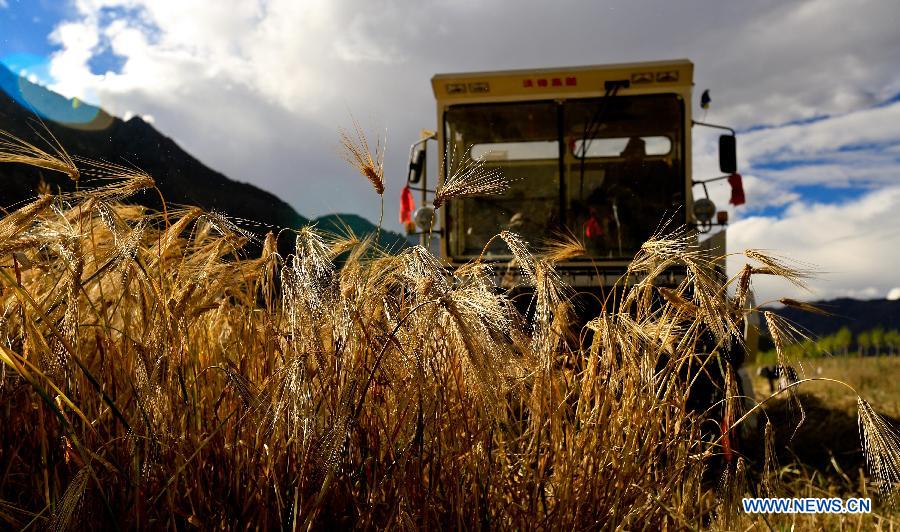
column 259, row 88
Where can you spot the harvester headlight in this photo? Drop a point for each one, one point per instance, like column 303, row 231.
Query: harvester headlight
column 424, row 218
column 704, row 210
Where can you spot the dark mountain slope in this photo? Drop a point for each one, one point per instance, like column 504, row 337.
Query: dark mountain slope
column 88, row 131
column 857, row 315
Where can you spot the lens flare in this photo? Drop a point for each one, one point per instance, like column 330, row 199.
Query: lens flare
column 26, row 78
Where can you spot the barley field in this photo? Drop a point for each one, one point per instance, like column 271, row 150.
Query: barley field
column 156, row 374
column 817, row 446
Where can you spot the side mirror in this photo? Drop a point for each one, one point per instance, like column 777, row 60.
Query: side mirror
column 416, row 166
column 728, row 154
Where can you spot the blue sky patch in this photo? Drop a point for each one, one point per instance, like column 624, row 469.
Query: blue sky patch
column 830, row 195
column 25, row 25
column 893, row 99
column 768, row 211
column 868, row 146
column 810, row 194
column 797, row 122
column 787, row 164
column 105, row 60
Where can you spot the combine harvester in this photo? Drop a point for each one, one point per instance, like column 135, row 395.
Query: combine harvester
column 599, row 152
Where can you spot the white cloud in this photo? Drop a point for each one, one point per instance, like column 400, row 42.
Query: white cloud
column 854, row 247
column 870, row 126
column 894, row 294
column 778, row 65
column 69, row 67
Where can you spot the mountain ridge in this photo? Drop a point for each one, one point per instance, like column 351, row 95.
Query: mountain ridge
column 858, row 315
column 89, row 131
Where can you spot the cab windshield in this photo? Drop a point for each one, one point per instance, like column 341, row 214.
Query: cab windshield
column 608, row 170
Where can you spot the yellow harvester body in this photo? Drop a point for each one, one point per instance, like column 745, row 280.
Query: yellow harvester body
column 601, row 152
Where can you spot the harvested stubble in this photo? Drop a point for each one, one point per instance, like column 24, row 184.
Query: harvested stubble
column 155, row 376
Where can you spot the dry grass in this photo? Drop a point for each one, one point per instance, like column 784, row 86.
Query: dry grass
column 875, row 378
column 824, row 456
column 156, row 376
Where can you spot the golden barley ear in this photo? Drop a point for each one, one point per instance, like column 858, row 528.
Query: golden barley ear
column 770, row 462
column 731, row 488
column 724, row 496
column 550, row 297
column 788, row 302
column 521, row 256
column 467, row 177
column 70, row 501
column 563, row 247
column 119, row 181
column 783, row 334
column 16, row 150
column 15, row 224
column 881, row 447
column 687, row 309
column 742, row 291
column 794, row 272
column 244, row 388
column 357, row 153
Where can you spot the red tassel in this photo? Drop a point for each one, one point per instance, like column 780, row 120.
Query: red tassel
column 407, row 205
column 726, row 440
column 737, row 189
column 592, row 228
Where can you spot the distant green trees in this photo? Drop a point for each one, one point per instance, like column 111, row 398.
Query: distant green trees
column 872, row 342
column 864, row 342
column 842, row 340
column 892, row 338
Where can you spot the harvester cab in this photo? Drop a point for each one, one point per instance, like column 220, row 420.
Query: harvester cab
column 599, row 152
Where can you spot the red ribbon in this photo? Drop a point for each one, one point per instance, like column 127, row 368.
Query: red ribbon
column 726, row 440
column 407, row 205
column 737, row 189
